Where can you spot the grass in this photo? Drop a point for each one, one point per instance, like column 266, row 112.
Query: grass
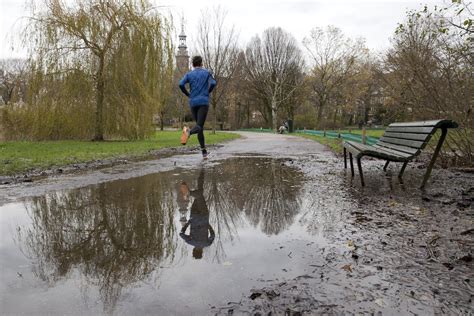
column 18, row 157
column 335, row 144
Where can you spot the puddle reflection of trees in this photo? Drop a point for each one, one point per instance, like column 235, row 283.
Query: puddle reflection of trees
column 117, row 233
column 114, row 233
column 261, row 192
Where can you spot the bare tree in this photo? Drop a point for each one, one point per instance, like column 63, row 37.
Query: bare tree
column 218, row 45
column 333, row 62
column 273, row 64
column 455, row 15
column 12, row 79
column 429, row 75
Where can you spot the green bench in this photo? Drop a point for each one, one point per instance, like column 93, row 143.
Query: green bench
column 401, row 142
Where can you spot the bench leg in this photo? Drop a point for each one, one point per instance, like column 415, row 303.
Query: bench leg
column 360, row 171
column 386, row 165
column 352, row 164
column 400, row 175
column 444, row 131
column 345, row 158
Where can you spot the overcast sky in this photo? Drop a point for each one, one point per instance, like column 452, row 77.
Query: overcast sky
column 374, row 20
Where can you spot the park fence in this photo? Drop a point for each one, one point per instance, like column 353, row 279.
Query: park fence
column 370, row 140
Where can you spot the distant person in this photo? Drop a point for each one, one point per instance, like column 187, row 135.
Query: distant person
column 201, row 84
column 283, row 127
column 201, row 234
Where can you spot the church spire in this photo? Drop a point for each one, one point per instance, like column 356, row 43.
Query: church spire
column 182, row 58
column 182, row 47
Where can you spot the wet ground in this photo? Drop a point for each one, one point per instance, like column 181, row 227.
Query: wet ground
column 269, row 223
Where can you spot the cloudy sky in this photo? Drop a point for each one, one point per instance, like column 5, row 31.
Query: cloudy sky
column 374, row 20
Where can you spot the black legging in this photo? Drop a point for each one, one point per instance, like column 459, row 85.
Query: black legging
column 199, row 115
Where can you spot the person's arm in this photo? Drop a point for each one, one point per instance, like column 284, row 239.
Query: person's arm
column 210, row 239
column 182, row 234
column 183, row 230
column 182, row 84
column 212, row 83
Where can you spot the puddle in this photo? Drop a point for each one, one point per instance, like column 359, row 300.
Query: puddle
column 173, row 242
column 244, row 235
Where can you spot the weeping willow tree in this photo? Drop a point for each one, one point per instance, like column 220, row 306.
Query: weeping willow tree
column 141, row 71
column 98, row 69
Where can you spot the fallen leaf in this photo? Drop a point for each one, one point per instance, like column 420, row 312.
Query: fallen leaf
column 255, row 295
column 392, row 204
column 347, row 267
column 379, row 302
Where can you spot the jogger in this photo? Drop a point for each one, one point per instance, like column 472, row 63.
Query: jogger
column 201, row 84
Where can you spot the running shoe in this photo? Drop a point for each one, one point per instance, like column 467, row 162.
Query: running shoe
column 205, row 154
column 185, row 135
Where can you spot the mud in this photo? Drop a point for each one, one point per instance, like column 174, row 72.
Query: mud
column 398, row 250
column 272, row 224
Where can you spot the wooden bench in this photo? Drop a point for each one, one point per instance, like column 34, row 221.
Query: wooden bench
column 401, row 142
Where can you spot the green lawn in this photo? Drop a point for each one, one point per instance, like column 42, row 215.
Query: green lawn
column 334, row 143
column 17, row 157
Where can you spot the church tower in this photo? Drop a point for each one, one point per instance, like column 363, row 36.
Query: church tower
column 182, row 67
column 182, row 58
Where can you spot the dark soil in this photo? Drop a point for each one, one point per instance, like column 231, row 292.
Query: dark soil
column 407, row 251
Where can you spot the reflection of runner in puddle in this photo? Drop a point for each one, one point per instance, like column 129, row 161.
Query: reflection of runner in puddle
column 201, row 233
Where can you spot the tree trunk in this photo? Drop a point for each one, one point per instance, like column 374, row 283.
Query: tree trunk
column 274, row 115
column 248, row 114
column 214, row 117
column 162, row 121
column 239, row 115
column 100, row 87
column 320, row 113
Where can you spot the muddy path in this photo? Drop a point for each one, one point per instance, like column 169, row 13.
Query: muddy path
column 251, row 144
column 270, row 223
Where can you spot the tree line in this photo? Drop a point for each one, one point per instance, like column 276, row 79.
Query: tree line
column 111, row 64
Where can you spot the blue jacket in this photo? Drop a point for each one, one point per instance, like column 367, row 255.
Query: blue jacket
column 201, row 83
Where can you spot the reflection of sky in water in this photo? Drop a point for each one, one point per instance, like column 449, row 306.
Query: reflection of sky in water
column 117, row 244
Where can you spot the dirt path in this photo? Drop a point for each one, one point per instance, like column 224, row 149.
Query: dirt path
column 293, row 234
column 276, row 146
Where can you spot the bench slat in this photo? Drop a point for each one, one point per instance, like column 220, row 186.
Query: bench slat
column 408, row 150
column 403, row 142
column 386, row 153
column 417, row 130
column 410, row 136
column 420, row 123
column 394, row 152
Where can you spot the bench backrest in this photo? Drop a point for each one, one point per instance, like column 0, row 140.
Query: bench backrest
column 412, row 137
